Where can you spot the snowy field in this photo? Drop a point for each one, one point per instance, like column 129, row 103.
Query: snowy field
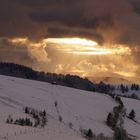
column 132, row 127
column 81, row 108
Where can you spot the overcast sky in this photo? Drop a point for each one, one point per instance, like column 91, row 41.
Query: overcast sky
column 111, row 23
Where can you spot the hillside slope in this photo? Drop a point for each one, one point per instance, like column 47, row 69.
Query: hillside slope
column 132, row 127
column 81, row 108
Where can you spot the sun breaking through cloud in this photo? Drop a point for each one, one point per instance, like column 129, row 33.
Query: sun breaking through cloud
column 79, row 56
column 81, row 46
column 77, row 46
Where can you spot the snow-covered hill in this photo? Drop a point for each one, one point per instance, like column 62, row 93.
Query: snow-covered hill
column 81, row 108
column 132, row 127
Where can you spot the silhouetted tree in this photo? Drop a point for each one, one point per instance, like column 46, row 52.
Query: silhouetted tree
column 132, row 115
column 120, row 134
column 9, row 120
column 134, row 96
column 89, row 134
column 55, row 103
column 26, row 110
column 60, row 118
column 109, row 120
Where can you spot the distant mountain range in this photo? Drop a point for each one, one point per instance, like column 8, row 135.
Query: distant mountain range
column 109, row 80
column 113, row 78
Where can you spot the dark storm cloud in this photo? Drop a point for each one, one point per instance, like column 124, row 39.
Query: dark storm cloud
column 68, row 32
column 59, row 16
column 44, row 3
column 31, row 17
column 72, row 18
column 136, row 5
column 105, row 21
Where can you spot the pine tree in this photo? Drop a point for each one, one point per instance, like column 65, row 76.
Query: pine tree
column 89, row 134
column 26, row 110
column 120, row 134
column 137, row 87
column 60, row 119
column 55, row 103
column 109, row 119
column 132, row 115
column 44, row 113
column 132, row 87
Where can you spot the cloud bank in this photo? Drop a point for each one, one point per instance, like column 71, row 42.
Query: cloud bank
column 111, row 23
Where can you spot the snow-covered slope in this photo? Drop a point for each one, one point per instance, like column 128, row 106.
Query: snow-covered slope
column 81, row 108
column 53, row 131
column 132, row 127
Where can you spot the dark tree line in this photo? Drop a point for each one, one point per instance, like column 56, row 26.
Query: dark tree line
column 73, row 81
column 125, row 88
column 40, row 117
column 104, row 88
column 115, row 120
column 135, row 87
column 19, row 121
column 23, row 122
column 16, row 70
column 88, row 134
column 113, row 117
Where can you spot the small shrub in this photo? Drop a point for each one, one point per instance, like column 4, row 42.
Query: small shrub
column 9, row 120
column 121, row 134
column 109, row 120
column 56, row 103
column 60, row 119
column 26, row 110
column 89, row 134
column 134, row 96
column 70, row 125
column 132, row 115
column 23, row 122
